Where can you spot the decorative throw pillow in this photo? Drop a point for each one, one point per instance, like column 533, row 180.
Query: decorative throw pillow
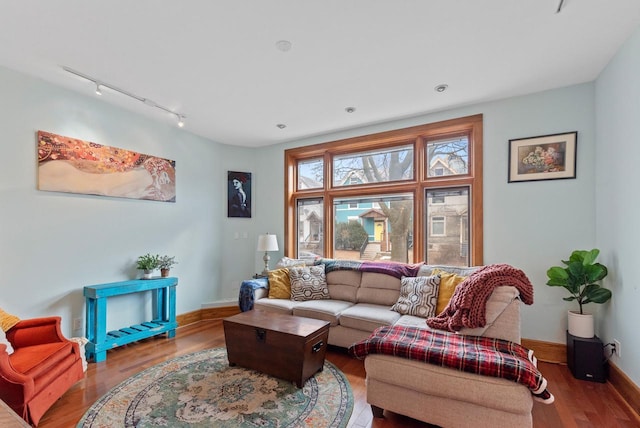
column 287, row 262
column 418, row 296
column 7, row 320
column 279, row 284
column 308, row 283
column 448, row 284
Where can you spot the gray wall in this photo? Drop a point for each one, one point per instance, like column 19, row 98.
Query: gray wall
column 617, row 204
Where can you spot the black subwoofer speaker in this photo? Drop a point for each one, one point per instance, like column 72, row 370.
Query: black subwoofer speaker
column 585, row 358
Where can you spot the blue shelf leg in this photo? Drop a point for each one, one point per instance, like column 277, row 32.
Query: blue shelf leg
column 172, row 310
column 101, row 327
column 90, row 317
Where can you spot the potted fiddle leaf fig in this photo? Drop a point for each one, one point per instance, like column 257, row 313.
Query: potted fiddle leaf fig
column 580, row 277
column 147, row 263
column 165, row 263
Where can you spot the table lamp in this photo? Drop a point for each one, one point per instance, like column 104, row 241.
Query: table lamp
column 267, row 243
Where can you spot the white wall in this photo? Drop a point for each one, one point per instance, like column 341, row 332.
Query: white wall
column 617, row 204
column 53, row 244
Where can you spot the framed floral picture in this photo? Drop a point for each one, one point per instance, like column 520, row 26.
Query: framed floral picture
column 547, row 157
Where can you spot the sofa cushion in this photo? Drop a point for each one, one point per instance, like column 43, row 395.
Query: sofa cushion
column 368, row 317
column 427, row 270
column 308, row 283
column 324, row 310
column 287, row 262
column 418, row 296
column 379, row 289
column 343, row 284
column 35, row 360
column 283, row 306
column 279, row 284
column 484, row 391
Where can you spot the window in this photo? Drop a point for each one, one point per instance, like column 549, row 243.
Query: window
column 310, row 226
column 310, row 174
column 373, row 234
column 406, row 195
column 448, row 238
column 448, row 156
column 376, row 166
column 437, row 226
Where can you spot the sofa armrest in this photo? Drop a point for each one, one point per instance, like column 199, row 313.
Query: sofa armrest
column 35, row 331
column 15, row 388
column 261, row 293
column 248, row 290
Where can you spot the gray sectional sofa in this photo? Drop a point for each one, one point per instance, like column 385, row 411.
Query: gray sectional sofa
column 360, row 302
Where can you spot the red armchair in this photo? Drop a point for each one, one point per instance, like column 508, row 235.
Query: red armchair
column 43, row 366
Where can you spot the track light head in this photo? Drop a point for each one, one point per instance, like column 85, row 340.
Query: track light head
column 180, row 120
column 98, row 90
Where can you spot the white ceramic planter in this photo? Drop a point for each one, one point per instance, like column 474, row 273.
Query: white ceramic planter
column 581, row 325
column 147, row 274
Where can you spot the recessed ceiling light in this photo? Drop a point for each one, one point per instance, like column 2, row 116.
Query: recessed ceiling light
column 281, row 125
column 441, row 88
column 283, row 45
column 350, row 109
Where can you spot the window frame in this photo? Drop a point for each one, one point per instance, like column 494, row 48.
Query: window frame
column 472, row 126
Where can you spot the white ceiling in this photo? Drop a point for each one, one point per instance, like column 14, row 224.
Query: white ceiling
column 216, row 61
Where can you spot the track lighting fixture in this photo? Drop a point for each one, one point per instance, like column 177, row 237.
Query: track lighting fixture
column 100, row 84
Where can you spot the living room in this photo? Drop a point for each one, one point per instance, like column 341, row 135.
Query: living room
column 78, row 240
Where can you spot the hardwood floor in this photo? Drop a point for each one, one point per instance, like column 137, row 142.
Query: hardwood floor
column 577, row 403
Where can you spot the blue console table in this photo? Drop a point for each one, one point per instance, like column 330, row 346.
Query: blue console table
column 164, row 314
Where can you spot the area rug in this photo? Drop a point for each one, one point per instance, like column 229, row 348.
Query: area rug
column 201, row 390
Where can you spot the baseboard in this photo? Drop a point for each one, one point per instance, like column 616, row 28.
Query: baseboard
column 207, row 314
column 549, row 352
column 628, row 390
column 557, row 353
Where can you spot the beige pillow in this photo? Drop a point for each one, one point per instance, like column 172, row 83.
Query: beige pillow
column 418, row 296
column 308, row 283
column 448, row 284
column 279, row 284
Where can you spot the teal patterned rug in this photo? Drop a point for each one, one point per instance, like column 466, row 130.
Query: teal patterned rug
column 201, row 390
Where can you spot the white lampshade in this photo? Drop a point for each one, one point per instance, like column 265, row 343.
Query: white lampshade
column 267, row 243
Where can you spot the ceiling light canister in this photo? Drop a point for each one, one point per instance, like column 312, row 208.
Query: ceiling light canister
column 98, row 90
column 283, row 45
column 281, row 125
column 180, row 120
column 350, row 109
column 441, row 88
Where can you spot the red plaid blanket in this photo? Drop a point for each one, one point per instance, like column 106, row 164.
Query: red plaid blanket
column 473, row 354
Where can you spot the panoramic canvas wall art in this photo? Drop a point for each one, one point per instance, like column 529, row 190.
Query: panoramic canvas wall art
column 71, row 165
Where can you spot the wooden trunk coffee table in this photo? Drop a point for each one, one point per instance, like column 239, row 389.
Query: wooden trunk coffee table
column 284, row 346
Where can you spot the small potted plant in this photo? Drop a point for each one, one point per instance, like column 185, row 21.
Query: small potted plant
column 148, row 263
column 165, row 263
column 580, row 277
